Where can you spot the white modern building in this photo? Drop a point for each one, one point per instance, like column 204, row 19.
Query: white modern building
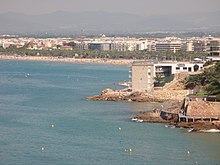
column 143, row 73
column 168, row 46
column 169, row 68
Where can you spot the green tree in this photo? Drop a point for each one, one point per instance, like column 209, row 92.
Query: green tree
column 209, row 80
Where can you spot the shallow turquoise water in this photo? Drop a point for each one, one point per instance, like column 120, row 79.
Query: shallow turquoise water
column 36, row 95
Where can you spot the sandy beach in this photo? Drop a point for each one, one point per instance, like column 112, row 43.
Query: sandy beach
column 73, row 60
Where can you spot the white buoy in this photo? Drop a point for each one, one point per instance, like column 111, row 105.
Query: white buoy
column 27, row 75
column 128, row 150
column 42, row 148
column 119, row 128
column 52, row 125
column 188, row 152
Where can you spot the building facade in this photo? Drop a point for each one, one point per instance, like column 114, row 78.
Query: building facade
column 215, row 48
column 168, row 46
column 143, row 73
column 142, row 77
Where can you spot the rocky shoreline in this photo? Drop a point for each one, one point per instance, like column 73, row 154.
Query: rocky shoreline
column 174, row 98
column 126, row 95
column 154, row 117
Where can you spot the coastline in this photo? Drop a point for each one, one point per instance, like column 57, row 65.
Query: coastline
column 168, row 113
column 70, row 60
column 110, row 95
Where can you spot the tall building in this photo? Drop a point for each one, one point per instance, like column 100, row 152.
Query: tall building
column 215, row 48
column 168, row 46
column 99, row 46
column 200, row 46
column 142, row 77
column 187, row 46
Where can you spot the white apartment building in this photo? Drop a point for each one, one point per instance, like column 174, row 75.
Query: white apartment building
column 168, row 46
column 168, row 68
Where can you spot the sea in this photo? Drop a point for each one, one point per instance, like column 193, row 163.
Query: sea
column 45, row 119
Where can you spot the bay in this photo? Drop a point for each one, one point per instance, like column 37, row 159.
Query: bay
column 45, row 118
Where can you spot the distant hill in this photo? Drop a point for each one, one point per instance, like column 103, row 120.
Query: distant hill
column 106, row 22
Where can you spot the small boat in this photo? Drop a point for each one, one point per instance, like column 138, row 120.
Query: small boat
column 170, row 126
column 192, row 130
column 134, row 119
column 139, row 121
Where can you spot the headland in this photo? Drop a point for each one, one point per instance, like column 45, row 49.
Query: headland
column 185, row 109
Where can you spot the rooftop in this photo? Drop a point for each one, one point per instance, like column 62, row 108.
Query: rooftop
column 201, row 108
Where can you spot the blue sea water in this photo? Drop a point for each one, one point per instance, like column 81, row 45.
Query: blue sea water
column 45, row 119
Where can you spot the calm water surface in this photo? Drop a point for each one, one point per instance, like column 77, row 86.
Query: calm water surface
column 45, row 119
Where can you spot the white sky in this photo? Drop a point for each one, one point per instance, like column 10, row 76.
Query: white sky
column 140, row 7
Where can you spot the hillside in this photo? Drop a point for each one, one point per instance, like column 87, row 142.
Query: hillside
column 106, row 22
column 207, row 82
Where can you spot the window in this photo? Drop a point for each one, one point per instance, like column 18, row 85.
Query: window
column 177, row 68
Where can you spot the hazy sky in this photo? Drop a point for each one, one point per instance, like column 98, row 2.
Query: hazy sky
column 141, row 7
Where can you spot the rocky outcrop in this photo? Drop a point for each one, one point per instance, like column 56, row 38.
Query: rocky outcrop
column 151, row 116
column 156, row 96
column 199, row 125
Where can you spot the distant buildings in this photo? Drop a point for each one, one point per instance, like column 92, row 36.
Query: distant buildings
column 119, row 44
column 187, row 46
column 214, row 53
column 168, row 46
column 100, row 46
column 215, row 48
